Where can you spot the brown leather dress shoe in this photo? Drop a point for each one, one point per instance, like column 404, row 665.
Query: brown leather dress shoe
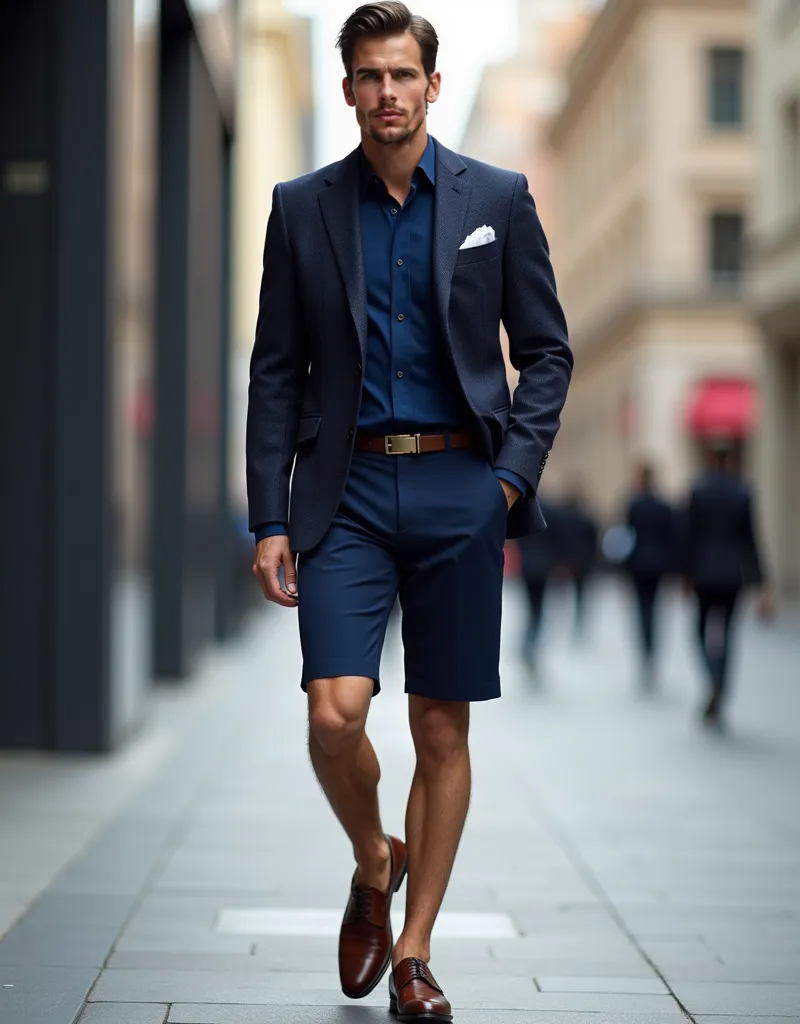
column 414, row 994
column 365, row 940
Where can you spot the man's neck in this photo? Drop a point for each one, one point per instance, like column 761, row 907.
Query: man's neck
column 395, row 164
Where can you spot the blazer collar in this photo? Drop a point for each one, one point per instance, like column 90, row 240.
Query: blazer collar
column 349, row 167
column 340, row 210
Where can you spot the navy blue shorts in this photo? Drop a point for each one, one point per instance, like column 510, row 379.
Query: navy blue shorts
column 431, row 529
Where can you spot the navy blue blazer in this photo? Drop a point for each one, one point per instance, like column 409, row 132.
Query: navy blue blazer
column 307, row 366
column 655, row 551
column 720, row 550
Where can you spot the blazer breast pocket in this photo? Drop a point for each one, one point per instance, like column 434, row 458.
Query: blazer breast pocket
column 478, row 254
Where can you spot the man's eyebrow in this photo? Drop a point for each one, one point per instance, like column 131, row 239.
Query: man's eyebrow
column 366, row 70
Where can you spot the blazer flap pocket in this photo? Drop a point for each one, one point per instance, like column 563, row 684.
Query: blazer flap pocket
column 503, row 415
column 478, row 253
column 308, row 427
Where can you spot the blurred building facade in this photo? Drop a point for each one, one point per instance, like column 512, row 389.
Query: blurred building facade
column 654, row 171
column 775, row 280
column 116, row 123
column 517, row 98
column 274, row 142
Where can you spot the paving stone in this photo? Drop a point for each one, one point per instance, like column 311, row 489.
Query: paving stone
column 490, row 992
column 153, row 961
column 66, row 930
column 183, row 942
column 780, row 972
column 79, row 947
column 221, row 1014
column 629, row 986
column 124, row 1013
column 44, row 995
column 733, row 998
column 747, row 1020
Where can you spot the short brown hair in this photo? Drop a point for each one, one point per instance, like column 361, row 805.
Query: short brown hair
column 387, row 18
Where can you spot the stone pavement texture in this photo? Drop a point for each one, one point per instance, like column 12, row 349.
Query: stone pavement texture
column 619, row 864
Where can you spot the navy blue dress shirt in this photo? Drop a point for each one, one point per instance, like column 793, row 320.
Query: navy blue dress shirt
column 410, row 384
column 409, row 381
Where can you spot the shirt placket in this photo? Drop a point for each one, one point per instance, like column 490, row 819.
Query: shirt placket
column 401, row 310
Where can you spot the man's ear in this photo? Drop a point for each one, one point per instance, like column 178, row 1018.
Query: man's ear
column 434, row 87
column 347, row 89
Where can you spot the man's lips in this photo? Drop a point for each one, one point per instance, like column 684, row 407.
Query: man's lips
column 389, row 115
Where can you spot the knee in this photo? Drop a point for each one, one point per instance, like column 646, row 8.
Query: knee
column 441, row 732
column 335, row 728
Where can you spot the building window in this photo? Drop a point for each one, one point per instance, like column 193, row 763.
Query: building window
column 726, row 247
column 726, row 87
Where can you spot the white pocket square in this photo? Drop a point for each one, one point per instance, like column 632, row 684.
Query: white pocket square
column 480, row 236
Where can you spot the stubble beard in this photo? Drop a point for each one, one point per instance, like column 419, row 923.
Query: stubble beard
column 396, row 139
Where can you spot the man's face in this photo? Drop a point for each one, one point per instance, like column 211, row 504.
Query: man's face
column 389, row 88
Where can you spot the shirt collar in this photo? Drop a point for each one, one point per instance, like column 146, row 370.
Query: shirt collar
column 427, row 166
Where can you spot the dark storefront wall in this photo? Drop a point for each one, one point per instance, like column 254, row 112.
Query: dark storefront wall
column 79, row 413
column 75, row 216
column 190, row 541
column 27, row 84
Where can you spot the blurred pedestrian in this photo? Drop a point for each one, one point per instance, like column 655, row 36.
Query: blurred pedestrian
column 578, row 536
column 720, row 558
column 653, row 555
column 539, row 555
column 379, row 398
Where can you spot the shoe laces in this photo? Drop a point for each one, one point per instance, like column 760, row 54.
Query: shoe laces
column 364, row 902
column 417, row 970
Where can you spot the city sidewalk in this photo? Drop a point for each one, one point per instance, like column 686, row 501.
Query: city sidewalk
column 619, row 864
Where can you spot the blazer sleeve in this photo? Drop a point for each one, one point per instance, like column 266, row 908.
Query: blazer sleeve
column 754, row 568
column 538, row 341
column 278, row 375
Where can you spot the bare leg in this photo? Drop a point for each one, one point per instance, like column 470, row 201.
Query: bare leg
column 348, row 771
column 437, row 809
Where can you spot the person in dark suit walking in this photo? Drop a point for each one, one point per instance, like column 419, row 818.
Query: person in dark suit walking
column 378, row 377
column 578, row 545
column 721, row 557
column 652, row 522
column 539, row 556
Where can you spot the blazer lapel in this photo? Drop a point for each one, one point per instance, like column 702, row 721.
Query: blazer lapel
column 340, row 211
column 452, row 199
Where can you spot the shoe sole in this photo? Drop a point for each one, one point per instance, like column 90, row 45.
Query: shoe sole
column 387, row 962
column 405, row 1018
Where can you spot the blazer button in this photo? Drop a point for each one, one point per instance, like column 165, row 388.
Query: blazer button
column 358, row 369
column 350, row 433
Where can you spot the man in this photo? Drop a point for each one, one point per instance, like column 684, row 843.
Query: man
column 539, row 557
column 652, row 522
column 578, row 539
column 721, row 557
column 377, row 369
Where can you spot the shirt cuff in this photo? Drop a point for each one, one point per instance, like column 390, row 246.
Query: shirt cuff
column 269, row 530
column 515, row 479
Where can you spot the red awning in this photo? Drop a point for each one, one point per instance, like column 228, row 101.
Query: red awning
column 722, row 408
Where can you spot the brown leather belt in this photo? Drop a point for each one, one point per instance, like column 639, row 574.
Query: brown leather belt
column 411, row 444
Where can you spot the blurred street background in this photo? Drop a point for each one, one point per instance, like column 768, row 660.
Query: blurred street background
column 631, row 854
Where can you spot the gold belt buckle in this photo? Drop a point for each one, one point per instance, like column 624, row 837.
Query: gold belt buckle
column 401, row 444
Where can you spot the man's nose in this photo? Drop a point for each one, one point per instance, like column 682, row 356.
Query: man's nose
column 387, row 87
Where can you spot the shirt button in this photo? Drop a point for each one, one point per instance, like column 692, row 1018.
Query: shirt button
column 399, row 374
column 401, row 317
column 394, row 210
column 399, row 263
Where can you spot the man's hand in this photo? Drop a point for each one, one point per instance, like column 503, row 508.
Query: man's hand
column 512, row 493
column 271, row 554
column 765, row 604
